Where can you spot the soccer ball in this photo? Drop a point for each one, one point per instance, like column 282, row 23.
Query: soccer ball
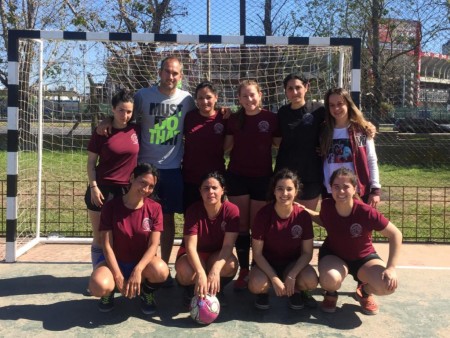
column 204, row 310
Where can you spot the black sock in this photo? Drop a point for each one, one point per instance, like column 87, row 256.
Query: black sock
column 364, row 293
column 243, row 250
column 149, row 287
column 189, row 289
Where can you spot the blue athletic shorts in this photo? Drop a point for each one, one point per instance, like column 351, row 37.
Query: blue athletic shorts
column 126, row 268
column 169, row 190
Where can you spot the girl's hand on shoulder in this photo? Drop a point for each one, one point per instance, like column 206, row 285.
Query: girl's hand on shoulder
column 389, row 276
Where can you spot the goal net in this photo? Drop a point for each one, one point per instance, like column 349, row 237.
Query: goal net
column 62, row 83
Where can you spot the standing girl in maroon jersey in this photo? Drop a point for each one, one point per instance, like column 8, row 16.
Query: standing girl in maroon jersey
column 251, row 133
column 282, row 245
column 110, row 163
column 204, row 135
column 348, row 247
column 130, row 228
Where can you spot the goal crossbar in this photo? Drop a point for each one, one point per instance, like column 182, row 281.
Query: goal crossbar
column 15, row 36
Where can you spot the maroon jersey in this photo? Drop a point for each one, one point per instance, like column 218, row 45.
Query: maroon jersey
column 117, row 155
column 283, row 237
column 203, row 145
column 350, row 238
column 210, row 233
column 131, row 229
column 251, row 155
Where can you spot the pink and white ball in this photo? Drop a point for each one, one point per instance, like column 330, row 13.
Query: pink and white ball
column 204, row 310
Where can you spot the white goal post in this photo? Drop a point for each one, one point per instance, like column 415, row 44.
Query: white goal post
column 52, row 104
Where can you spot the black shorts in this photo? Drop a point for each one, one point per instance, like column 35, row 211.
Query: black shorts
column 256, row 187
column 108, row 191
column 311, row 191
column 353, row 266
column 280, row 270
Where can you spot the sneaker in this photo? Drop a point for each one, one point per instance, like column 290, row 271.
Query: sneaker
column 222, row 299
column 169, row 282
column 308, row 299
column 148, row 304
column 242, row 281
column 329, row 302
column 368, row 304
column 262, row 301
column 106, row 303
column 295, row 301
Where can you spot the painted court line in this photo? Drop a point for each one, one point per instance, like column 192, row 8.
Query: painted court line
column 414, row 267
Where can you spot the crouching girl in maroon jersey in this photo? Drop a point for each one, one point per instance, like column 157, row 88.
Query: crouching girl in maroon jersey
column 130, row 228
column 282, row 245
column 348, row 247
column 205, row 262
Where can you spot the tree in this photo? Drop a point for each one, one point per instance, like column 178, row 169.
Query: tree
column 380, row 58
column 27, row 14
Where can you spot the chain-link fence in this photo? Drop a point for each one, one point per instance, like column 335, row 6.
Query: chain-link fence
column 405, row 73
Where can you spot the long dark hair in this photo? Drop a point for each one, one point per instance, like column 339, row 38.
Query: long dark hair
column 219, row 178
column 123, row 95
column 283, row 174
column 343, row 171
column 290, row 77
column 144, row 169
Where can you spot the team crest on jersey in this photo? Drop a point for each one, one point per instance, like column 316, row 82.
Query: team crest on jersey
column 218, row 128
column 296, row 231
column 146, row 224
column 308, row 119
column 134, row 139
column 355, row 230
column 263, row 126
column 223, row 225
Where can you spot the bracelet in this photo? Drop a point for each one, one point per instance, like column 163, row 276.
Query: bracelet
column 93, row 186
column 292, row 278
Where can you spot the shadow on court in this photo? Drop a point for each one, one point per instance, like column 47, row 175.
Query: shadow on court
column 38, row 299
column 57, row 304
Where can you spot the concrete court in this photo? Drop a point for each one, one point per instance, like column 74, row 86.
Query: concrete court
column 42, row 295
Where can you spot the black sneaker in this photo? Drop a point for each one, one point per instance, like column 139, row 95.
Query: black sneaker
column 148, row 304
column 295, row 301
column 308, row 299
column 262, row 301
column 106, row 303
